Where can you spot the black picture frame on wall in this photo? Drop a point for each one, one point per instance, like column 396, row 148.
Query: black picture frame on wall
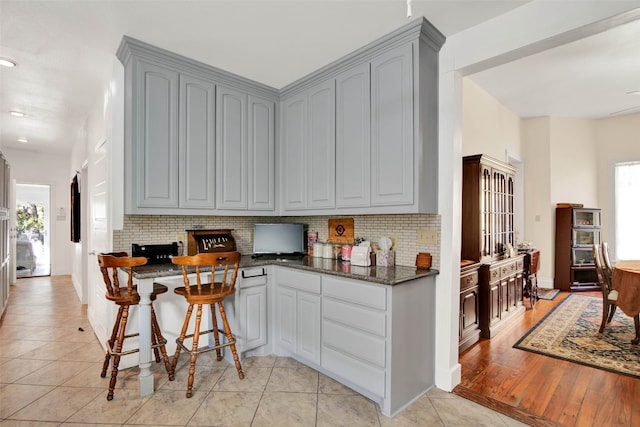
column 75, row 209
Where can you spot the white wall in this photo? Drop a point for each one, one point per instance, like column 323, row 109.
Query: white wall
column 29, row 167
column 539, row 216
column 488, row 127
column 617, row 140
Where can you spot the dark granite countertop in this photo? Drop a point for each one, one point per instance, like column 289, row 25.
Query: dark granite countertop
column 375, row 274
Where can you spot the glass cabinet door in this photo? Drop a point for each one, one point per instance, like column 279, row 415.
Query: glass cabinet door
column 585, row 237
column 586, row 218
column 582, row 256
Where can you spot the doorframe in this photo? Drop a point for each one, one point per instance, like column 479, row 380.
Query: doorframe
column 52, row 219
column 84, row 232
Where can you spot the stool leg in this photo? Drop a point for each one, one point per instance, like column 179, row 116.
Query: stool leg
column 116, row 356
column 216, row 336
column 110, row 343
column 194, row 351
column 157, row 334
column 636, row 324
column 180, row 339
column 230, row 339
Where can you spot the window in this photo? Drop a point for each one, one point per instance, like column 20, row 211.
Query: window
column 627, row 209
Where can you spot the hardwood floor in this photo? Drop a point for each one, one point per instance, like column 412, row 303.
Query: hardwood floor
column 543, row 391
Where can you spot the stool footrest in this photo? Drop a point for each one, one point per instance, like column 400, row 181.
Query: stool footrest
column 112, row 352
column 209, row 347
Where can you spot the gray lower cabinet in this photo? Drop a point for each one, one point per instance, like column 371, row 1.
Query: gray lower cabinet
column 297, row 315
column 308, row 148
column 377, row 339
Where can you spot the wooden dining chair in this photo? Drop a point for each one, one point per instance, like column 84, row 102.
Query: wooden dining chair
column 609, row 296
column 606, row 260
column 210, row 292
column 125, row 297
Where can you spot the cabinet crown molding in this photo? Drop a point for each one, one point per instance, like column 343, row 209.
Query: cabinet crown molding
column 130, row 46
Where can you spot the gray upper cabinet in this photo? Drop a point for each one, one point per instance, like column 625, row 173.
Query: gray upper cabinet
column 353, row 138
column 320, row 145
column 293, row 153
column 358, row 136
column 198, row 140
column 392, row 128
column 155, row 127
column 308, row 148
column 261, row 154
column 197, row 143
column 231, row 149
column 385, row 126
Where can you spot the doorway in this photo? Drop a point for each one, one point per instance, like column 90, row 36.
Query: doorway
column 33, row 230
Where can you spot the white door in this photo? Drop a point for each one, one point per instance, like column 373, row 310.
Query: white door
column 99, row 312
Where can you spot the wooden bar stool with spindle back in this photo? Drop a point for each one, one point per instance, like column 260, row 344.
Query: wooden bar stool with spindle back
column 126, row 297
column 211, row 293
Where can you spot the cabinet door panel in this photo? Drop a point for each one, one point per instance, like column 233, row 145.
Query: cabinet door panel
column 197, row 143
column 321, row 146
column 392, row 128
column 286, row 318
column 231, row 149
column 494, row 302
column 254, row 316
column 157, row 148
column 308, row 326
column 469, row 306
column 261, row 161
column 353, row 137
column 294, row 114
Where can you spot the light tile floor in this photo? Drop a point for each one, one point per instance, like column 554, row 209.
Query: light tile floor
column 50, row 364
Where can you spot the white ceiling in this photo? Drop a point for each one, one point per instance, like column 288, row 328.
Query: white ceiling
column 65, row 51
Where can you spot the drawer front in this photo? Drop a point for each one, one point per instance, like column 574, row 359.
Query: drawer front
column 469, row 280
column 308, row 282
column 494, row 274
column 354, row 292
column 355, row 343
column 508, row 269
column 252, row 277
column 374, row 322
column 359, row 373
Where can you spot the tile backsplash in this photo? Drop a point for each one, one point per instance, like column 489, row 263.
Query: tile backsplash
column 403, row 230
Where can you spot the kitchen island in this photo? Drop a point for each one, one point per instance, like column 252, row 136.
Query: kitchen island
column 370, row 328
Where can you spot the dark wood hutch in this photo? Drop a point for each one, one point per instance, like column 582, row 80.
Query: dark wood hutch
column 488, row 242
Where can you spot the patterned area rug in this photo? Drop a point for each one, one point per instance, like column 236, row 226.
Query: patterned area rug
column 570, row 332
column 549, row 294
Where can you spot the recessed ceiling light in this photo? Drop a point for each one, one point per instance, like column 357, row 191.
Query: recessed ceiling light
column 634, row 92
column 23, row 140
column 6, row 62
column 17, row 113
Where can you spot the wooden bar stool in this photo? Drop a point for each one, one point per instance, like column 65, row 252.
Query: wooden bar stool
column 125, row 297
column 225, row 264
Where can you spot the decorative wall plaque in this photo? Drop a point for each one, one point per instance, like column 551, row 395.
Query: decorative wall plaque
column 205, row 240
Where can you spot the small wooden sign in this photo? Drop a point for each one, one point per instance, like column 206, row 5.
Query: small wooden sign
column 341, row 231
column 205, row 240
